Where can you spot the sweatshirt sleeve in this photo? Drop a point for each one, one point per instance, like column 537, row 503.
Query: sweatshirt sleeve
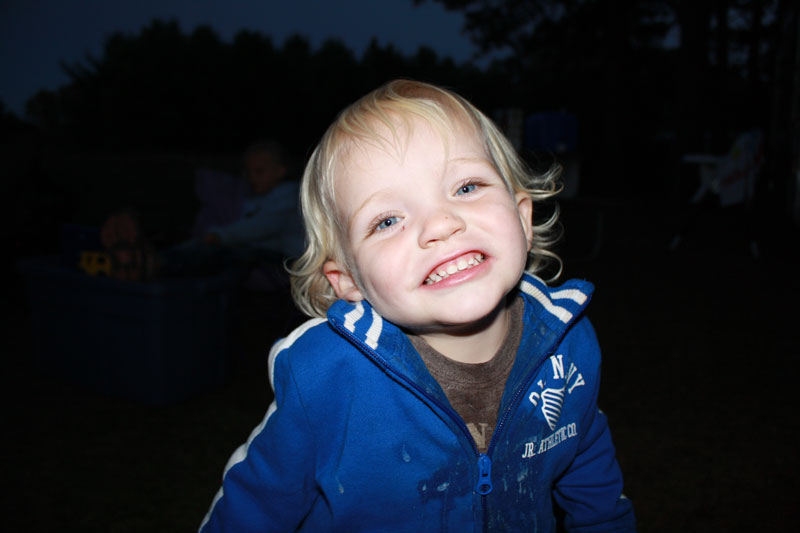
column 590, row 491
column 268, row 484
column 263, row 217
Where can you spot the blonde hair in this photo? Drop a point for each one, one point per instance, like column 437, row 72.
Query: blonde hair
column 359, row 123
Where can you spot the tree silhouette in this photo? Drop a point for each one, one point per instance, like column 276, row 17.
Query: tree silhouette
column 162, row 89
column 637, row 71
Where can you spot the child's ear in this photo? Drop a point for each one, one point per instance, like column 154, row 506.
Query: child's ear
column 342, row 282
column 525, row 209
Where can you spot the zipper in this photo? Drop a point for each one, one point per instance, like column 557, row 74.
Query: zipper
column 498, row 428
column 484, row 475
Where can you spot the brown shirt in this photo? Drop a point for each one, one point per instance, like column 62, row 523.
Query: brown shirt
column 475, row 390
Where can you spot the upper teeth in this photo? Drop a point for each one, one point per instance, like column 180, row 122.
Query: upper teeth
column 444, row 271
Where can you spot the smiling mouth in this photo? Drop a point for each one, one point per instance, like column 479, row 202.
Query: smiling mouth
column 445, row 270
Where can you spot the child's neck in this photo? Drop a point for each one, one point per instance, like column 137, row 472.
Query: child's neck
column 477, row 344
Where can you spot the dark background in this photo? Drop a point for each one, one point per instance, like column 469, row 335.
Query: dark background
column 700, row 342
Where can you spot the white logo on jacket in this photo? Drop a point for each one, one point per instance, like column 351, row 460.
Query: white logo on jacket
column 552, row 401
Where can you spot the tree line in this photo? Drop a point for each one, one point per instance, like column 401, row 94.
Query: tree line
column 647, row 79
column 169, row 90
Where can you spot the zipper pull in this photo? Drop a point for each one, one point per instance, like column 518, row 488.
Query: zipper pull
column 484, row 475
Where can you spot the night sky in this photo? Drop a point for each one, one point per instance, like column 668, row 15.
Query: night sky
column 36, row 34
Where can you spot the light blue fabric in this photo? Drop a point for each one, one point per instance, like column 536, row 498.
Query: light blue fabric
column 360, row 437
column 271, row 221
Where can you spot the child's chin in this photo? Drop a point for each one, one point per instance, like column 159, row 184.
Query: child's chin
column 469, row 315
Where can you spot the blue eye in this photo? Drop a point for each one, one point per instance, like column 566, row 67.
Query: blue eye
column 466, row 189
column 386, row 222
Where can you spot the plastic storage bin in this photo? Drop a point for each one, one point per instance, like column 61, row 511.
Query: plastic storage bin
column 154, row 343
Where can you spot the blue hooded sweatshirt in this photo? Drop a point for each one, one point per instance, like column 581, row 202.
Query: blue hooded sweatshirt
column 361, row 437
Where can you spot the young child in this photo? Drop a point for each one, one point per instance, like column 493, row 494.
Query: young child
column 441, row 386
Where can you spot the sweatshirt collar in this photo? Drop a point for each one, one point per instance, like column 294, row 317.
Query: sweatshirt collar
column 556, row 308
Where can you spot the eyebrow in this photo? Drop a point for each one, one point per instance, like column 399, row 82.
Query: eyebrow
column 376, row 194
column 483, row 159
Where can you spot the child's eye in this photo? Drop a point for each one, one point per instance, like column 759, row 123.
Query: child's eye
column 466, row 188
column 386, row 223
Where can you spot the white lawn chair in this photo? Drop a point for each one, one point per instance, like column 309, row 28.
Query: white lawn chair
column 731, row 177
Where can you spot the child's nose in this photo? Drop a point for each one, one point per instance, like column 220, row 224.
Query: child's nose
column 439, row 227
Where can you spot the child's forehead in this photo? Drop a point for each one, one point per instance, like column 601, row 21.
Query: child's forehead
column 393, row 139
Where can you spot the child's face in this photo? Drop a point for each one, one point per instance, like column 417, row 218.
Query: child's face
column 434, row 238
column 263, row 171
